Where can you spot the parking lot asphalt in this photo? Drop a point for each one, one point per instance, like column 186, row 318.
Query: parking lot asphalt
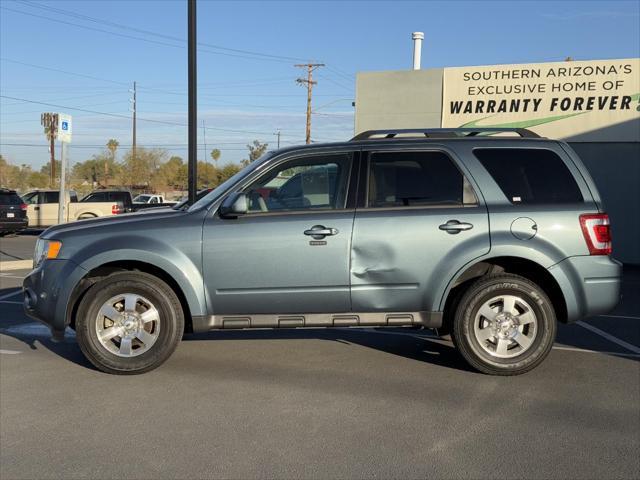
column 18, row 247
column 314, row 403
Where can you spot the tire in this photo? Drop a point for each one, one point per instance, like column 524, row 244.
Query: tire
column 504, row 325
column 129, row 323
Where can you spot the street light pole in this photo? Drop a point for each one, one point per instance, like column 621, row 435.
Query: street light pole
column 193, row 114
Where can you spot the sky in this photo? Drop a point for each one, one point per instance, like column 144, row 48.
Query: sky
column 82, row 57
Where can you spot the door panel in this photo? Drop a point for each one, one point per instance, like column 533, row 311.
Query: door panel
column 399, row 257
column 266, row 264
column 421, row 221
column 290, row 252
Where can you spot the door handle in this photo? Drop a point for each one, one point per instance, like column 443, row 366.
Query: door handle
column 454, row 226
column 320, row 231
column 36, row 208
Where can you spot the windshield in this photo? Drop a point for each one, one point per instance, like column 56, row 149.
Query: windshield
column 224, row 186
column 142, row 198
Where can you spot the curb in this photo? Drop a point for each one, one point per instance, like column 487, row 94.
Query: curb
column 16, row 265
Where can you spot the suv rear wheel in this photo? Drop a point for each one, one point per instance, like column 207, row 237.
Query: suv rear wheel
column 504, row 325
column 129, row 323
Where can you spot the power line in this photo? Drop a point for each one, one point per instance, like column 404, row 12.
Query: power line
column 117, row 115
column 156, row 34
column 252, row 56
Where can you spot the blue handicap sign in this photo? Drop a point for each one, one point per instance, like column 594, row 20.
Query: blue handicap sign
column 65, row 125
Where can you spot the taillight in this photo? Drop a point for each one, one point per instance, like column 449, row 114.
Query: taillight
column 116, row 209
column 23, row 207
column 597, row 233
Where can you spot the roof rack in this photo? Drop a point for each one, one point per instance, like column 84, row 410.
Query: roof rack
column 442, row 133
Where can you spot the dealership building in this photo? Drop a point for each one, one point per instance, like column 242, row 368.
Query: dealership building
column 592, row 105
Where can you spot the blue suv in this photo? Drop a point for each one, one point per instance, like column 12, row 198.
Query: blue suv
column 489, row 236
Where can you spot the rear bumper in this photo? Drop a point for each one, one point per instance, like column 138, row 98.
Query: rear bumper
column 591, row 284
column 47, row 290
column 13, row 225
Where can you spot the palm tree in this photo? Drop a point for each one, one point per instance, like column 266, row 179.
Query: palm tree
column 215, row 154
column 112, row 145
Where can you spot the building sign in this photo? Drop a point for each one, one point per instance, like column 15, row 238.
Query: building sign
column 577, row 101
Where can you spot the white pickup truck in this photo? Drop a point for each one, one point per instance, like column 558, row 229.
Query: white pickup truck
column 42, row 208
column 147, row 198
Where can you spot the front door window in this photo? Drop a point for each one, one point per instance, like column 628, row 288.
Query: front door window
column 307, row 183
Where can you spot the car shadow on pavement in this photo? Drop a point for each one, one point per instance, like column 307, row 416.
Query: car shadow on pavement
column 38, row 339
column 414, row 344
column 417, row 345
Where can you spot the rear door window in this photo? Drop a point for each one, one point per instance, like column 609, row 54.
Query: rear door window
column 50, row 197
column 530, row 175
column 407, row 179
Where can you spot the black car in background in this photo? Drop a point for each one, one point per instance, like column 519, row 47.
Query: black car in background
column 13, row 212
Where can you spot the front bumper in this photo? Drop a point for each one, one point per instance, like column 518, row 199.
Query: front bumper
column 47, row 291
column 590, row 284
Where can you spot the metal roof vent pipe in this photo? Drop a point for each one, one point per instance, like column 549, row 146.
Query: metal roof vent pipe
column 417, row 48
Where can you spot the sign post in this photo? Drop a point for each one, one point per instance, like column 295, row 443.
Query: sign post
column 64, row 135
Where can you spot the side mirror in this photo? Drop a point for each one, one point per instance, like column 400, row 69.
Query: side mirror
column 234, row 205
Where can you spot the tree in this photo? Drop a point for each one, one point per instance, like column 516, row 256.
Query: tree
column 5, row 170
column 112, row 145
column 141, row 169
column 171, row 174
column 46, row 168
column 96, row 169
column 256, row 150
column 215, row 154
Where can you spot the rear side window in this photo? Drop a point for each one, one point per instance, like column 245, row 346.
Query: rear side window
column 96, row 197
column 406, row 179
column 119, row 197
column 9, row 199
column 50, row 197
column 530, row 175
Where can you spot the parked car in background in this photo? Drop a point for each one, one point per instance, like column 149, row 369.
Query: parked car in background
column 124, row 198
column 155, row 200
column 491, row 239
column 42, row 207
column 13, row 212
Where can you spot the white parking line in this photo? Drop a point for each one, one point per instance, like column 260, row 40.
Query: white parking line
column 608, row 336
column 622, row 343
column 620, row 316
column 8, row 295
column 4, row 275
column 584, row 350
column 8, row 352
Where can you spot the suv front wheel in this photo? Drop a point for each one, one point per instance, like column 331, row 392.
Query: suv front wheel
column 129, row 322
column 504, row 325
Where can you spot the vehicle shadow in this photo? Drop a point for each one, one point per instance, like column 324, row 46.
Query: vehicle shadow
column 418, row 345
column 421, row 345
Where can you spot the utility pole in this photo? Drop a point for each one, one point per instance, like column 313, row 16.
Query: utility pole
column 50, row 123
column 277, row 134
column 310, row 83
column 133, row 102
column 192, row 76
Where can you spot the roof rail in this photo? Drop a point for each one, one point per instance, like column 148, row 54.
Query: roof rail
column 442, row 132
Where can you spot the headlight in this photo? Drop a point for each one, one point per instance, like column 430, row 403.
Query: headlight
column 45, row 249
